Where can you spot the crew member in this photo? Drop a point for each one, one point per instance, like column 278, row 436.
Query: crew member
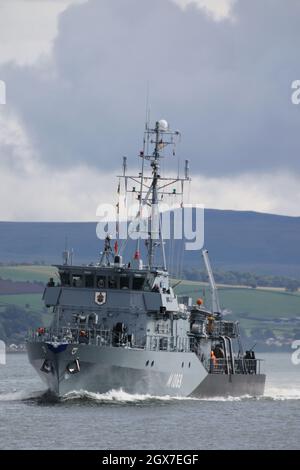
column 51, row 282
column 210, row 324
column 213, row 361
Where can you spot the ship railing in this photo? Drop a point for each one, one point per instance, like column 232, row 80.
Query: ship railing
column 222, row 328
column 241, row 366
column 168, row 343
column 216, row 366
column 104, row 337
column 91, row 336
column 95, row 336
column 39, row 335
column 248, row 366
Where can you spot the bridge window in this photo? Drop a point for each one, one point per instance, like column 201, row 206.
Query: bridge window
column 65, row 278
column 112, row 283
column 77, row 280
column 124, row 281
column 89, row 280
column 138, row 282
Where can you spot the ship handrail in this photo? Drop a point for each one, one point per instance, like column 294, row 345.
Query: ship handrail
column 241, row 366
column 102, row 337
column 107, row 337
column 71, row 334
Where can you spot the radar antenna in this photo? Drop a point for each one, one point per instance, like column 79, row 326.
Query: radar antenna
column 151, row 187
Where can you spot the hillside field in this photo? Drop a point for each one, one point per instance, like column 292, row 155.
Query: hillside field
column 27, row 273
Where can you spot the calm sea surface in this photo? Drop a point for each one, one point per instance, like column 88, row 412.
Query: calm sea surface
column 120, row 421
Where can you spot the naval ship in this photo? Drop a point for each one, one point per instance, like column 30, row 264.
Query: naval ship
column 120, row 326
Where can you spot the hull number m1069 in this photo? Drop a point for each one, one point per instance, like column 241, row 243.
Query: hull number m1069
column 175, row 381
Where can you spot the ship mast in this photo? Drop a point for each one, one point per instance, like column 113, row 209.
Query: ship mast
column 154, row 221
column 154, row 186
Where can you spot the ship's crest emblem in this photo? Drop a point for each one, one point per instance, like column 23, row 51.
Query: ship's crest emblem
column 100, row 298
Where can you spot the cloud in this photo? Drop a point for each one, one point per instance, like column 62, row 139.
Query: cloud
column 35, row 191
column 31, row 190
column 218, row 9
column 28, row 29
column 75, row 194
column 225, row 84
column 277, row 193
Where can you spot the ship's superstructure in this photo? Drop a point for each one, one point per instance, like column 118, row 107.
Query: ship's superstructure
column 119, row 325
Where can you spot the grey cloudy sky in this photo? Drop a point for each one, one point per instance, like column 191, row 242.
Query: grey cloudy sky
column 77, row 73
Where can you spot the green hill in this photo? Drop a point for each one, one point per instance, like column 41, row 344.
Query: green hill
column 237, row 241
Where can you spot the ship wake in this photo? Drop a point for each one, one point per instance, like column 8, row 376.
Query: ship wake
column 119, row 396
column 281, row 393
column 22, row 395
column 122, row 397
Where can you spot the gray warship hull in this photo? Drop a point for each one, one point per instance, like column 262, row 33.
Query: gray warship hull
column 135, row 371
column 120, row 325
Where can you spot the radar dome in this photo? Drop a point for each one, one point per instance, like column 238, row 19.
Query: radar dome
column 163, row 125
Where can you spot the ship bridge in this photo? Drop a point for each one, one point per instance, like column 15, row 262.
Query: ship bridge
column 109, row 291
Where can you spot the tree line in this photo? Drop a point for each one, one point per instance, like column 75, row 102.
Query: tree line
column 243, row 279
